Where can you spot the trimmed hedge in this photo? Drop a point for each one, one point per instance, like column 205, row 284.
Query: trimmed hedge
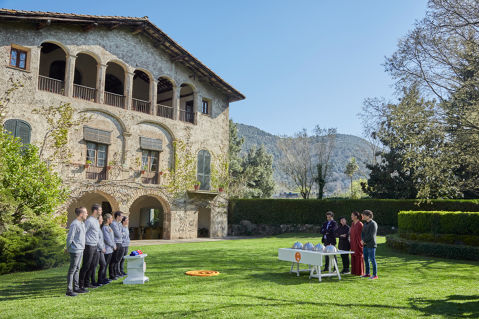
column 311, row 211
column 439, row 222
column 451, row 239
column 432, row 249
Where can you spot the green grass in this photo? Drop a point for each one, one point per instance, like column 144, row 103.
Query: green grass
column 252, row 284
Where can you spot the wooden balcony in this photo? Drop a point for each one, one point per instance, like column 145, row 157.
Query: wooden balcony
column 187, row 116
column 140, row 106
column 113, row 99
column 96, row 173
column 165, row 111
column 84, row 92
column 51, row 85
column 150, row 178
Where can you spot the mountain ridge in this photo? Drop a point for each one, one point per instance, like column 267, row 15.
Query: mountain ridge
column 346, row 146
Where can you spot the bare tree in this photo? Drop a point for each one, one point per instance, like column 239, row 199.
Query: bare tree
column 297, row 161
column 326, row 141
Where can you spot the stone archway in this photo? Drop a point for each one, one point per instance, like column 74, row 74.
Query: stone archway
column 147, row 217
column 87, row 199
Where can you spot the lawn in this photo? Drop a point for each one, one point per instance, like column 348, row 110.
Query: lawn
column 252, row 284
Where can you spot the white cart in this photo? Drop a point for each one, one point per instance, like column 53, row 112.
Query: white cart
column 314, row 260
column 136, row 270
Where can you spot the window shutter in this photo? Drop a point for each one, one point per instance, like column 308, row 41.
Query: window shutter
column 10, row 126
column 19, row 128
column 204, row 169
column 23, row 132
column 151, row 144
column 97, row 136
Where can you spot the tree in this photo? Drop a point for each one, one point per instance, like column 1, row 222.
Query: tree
column 258, row 170
column 251, row 175
column 297, row 161
column 351, row 168
column 326, row 139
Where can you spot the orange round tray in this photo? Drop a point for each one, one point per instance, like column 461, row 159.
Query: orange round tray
column 202, row 273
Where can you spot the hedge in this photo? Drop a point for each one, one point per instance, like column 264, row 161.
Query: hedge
column 311, row 211
column 451, row 239
column 439, row 222
column 432, row 249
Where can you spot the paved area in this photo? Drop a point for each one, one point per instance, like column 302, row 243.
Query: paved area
column 146, row 242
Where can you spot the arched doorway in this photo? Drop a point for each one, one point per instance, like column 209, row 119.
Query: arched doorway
column 107, row 202
column 84, row 83
column 187, row 104
column 165, row 98
column 147, row 215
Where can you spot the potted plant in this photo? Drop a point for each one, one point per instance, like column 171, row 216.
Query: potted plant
column 160, row 172
column 87, row 164
column 197, row 185
column 144, row 169
column 110, row 165
column 221, row 187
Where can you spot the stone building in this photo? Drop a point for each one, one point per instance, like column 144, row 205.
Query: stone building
column 138, row 92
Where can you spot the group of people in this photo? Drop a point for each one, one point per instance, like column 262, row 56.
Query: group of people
column 97, row 240
column 359, row 238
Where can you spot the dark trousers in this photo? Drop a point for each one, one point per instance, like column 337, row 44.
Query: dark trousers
column 107, row 265
column 117, row 256
column 113, row 265
column 92, row 271
column 122, row 261
column 88, row 255
column 326, row 264
column 344, row 245
column 73, row 271
column 102, row 269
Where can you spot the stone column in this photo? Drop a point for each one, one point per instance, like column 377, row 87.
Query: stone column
column 195, row 105
column 153, row 96
column 69, row 74
column 35, row 54
column 129, row 89
column 176, row 103
column 100, row 83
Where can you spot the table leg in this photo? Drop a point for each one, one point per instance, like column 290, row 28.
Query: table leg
column 292, row 266
column 319, row 272
column 337, row 270
column 297, row 267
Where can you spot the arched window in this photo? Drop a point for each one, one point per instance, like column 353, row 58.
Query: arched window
column 204, row 169
column 19, row 128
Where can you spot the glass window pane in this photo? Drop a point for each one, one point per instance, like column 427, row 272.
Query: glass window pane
column 144, row 160
column 23, row 57
column 91, row 151
column 101, row 156
column 154, row 162
column 13, row 58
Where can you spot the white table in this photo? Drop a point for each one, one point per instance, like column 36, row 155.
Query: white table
column 136, row 270
column 314, row 260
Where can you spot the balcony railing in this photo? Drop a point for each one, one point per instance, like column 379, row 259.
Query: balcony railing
column 165, row 111
column 84, row 92
column 114, row 99
column 97, row 173
column 150, row 178
column 51, row 85
column 140, row 106
column 187, row 116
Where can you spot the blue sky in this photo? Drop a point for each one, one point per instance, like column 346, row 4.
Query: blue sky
column 300, row 63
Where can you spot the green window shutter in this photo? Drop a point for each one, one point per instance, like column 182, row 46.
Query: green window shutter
column 204, row 169
column 23, row 132
column 10, row 126
column 19, row 128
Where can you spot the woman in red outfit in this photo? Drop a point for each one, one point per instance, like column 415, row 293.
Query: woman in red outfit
column 357, row 259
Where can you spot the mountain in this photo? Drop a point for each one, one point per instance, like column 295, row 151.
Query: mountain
column 346, row 146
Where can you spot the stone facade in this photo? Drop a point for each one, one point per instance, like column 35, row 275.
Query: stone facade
column 149, row 82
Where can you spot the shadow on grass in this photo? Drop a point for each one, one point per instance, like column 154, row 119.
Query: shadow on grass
column 276, row 303
column 44, row 287
column 464, row 306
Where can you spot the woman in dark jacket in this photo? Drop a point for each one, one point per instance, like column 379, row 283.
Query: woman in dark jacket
column 343, row 234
